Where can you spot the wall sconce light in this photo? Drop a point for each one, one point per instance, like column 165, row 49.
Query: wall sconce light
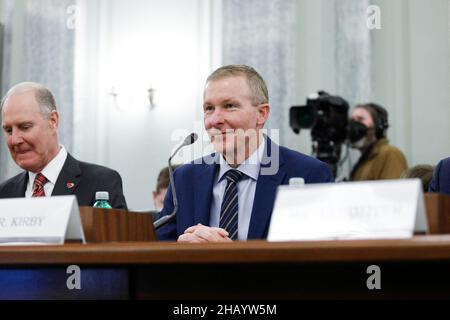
column 151, row 97
column 114, row 95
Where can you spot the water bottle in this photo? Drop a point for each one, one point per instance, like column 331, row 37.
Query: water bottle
column 101, row 200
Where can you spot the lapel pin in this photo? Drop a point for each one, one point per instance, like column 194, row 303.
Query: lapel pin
column 70, row 185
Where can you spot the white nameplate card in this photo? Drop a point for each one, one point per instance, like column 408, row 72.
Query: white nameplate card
column 42, row 220
column 388, row 209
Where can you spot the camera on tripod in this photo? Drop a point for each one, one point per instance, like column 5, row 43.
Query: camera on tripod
column 327, row 117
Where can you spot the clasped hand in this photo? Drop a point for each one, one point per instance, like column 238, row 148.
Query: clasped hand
column 200, row 234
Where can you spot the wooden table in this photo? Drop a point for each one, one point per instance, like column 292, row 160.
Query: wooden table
column 412, row 268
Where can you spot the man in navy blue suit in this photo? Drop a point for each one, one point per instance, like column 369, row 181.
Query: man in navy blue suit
column 230, row 194
column 441, row 177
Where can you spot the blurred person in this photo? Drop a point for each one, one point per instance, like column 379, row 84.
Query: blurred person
column 423, row 171
column 162, row 184
column 441, row 177
column 367, row 132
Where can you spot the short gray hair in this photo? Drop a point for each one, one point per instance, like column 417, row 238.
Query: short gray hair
column 258, row 87
column 43, row 96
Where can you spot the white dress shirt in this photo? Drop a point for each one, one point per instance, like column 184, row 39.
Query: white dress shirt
column 246, row 190
column 51, row 172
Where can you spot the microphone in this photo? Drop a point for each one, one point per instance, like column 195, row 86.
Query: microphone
column 190, row 139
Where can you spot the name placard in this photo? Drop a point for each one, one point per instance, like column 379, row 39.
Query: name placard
column 43, row 220
column 349, row 210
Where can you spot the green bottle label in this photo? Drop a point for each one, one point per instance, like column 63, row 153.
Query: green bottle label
column 102, row 204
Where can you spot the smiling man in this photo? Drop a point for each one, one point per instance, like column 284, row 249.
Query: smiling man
column 232, row 197
column 30, row 125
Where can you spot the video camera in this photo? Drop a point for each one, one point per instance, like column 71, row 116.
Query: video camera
column 327, row 117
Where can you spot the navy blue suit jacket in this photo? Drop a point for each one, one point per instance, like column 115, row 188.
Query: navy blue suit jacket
column 441, row 177
column 194, row 185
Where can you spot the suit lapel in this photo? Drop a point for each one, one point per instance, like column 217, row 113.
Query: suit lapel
column 68, row 178
column 266, row 188
column 20, row 187
column 203, row 191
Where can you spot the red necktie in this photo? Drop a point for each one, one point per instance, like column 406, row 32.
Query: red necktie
column 39, row 183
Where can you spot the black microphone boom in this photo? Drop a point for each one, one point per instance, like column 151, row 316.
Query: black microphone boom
column 190, row 139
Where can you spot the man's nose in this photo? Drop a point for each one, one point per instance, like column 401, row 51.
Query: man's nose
column 217, row 118
column 16, row 137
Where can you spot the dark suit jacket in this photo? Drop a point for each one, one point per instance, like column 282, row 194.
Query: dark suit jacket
column 194, row 185
column 79, row 178
column 441, row 177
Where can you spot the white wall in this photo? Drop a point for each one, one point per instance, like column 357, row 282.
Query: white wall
column 315, row 63
column 12, row 15
column 164, row 44
column 411, row 76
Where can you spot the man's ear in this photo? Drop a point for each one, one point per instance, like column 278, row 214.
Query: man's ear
column 263, row 114
column 54, row 119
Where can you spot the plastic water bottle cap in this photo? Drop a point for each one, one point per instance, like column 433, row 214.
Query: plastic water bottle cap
column 296, row 182
column 102, row 195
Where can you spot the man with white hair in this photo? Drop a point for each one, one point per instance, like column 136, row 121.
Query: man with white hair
column 30, row 123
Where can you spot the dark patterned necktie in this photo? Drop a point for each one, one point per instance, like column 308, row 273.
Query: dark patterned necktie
column 39, row 183
column 229, row 208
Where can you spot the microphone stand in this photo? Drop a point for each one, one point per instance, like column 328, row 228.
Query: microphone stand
column 169, row 218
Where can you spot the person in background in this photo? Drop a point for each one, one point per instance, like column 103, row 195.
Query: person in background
column 162, row 184
column 30, row 124
column 367, row 132
column 422, row 171
column 441, row 177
